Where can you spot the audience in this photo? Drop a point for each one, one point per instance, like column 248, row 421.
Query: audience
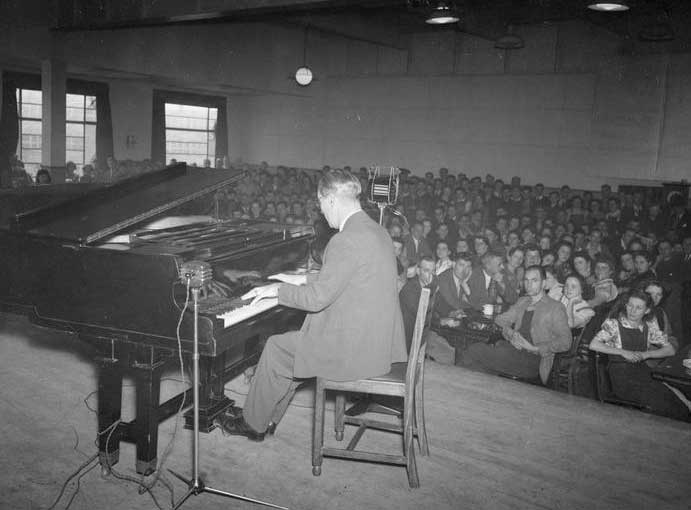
column 481, row 236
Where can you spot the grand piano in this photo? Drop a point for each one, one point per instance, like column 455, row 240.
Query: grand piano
column 106, row 263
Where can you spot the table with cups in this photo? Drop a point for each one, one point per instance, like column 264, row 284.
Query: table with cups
column 474, row 326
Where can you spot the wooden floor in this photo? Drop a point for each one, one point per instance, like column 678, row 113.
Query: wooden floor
column 495, row 444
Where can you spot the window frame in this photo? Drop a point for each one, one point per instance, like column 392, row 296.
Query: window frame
column 84, row 122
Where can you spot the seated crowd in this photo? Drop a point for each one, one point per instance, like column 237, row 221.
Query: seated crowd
column 551, row 260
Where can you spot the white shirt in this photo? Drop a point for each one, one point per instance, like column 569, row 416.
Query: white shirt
column 488, row 279
column 340, row 227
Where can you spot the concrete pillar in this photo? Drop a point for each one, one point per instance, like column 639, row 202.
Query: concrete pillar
column 53, row 83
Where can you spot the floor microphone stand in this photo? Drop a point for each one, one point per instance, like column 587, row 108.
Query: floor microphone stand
column 196, row 484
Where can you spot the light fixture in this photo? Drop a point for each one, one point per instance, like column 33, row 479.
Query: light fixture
column 303, row 75
column 509, row 41
column 442, row 14
column 608, row 6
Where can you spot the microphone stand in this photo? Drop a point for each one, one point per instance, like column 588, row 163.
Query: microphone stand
column 196, row 484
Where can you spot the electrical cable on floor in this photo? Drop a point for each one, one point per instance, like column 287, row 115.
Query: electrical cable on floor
column 144, row 487
column 69, row 479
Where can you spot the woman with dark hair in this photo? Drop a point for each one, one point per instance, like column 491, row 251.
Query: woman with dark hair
column 514, row 267
column 43, row 177
column 562, row 264
column 642, row 262
column 583, row 266
column 658, row 293
column 630, row 337
column 578, row 311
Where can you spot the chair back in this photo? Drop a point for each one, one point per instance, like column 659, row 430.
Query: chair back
column 416, row 356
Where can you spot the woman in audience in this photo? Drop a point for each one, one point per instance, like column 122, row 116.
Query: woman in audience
column 443, row 261
column 43, row 177
column 630, row 337
column 642, row 262
column 626, row 270
column 480, row 247
column 604, row 289
column 513, row 268
column 562, row 265
column 582, row 264
column 657, row 293
column 578, row 311
column 553, row 288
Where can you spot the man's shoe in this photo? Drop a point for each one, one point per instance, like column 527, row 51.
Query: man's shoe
column 237, row 426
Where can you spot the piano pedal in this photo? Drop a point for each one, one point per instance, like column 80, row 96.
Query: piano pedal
column 208, row 413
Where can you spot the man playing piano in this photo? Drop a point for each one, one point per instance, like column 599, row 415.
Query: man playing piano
column 353, row 328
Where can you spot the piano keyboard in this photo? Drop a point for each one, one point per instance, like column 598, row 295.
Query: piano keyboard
column 244, row 312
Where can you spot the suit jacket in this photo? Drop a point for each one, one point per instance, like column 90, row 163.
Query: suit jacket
column 410, row 298
column 447, row 295
column 478, row 290
column 549, row 329
column 414, row 255
column 354, row 327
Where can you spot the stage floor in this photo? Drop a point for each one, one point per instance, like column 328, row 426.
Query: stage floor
column 495, row 444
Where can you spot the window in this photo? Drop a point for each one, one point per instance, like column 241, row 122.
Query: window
column 190, row 133
column 80, row 129
column 29, row 110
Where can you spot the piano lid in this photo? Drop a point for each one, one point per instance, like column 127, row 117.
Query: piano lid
column 110, row 209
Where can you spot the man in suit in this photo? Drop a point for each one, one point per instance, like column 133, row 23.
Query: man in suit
column 410, row 295
column 454, row 293
column 488, row 283
column 535, row 329
column 416, row 246
column 353, row 327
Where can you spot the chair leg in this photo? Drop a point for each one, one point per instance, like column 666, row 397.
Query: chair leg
column 340, row 416
column 318, row 428
column 409, row 446
column 419, row 405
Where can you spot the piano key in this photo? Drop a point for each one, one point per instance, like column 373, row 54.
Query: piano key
column 246, row 311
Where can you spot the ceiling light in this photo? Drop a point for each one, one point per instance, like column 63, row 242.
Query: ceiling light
column 608, row 6
column 442, row 14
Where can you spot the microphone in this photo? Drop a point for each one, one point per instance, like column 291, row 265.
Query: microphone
column 383, row 185
column 196, row 273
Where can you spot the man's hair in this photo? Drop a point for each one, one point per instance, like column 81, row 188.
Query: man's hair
column 539, row 269
column 426, row 258
column 339, row 182
column 491, row 255
column 465, row 257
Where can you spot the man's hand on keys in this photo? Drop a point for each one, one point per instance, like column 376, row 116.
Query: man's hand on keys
column 265, row 291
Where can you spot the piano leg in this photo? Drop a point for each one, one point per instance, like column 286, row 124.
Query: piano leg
column 109, row 408
column 148, row 381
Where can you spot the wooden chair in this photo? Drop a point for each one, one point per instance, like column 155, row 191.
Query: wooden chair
column 563, row 361
column 404, row 380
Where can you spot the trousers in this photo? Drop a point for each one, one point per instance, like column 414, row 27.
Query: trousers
column 273, row 385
